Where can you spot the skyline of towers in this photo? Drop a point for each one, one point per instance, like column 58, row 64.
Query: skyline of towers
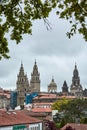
column 24, row 87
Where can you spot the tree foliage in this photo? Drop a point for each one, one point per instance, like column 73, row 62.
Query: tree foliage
column 73, row 111
column 16, row 17
column 76, row 12
column 84, row 120
column 58, row 104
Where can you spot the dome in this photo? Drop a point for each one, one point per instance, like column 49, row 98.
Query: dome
column 52, row 87
column 52, row 84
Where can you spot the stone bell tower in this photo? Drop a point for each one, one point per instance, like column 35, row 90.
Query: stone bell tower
column 76, row 87
column 35, row 79
column 22, row 86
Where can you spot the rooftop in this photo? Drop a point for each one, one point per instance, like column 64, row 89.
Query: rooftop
column 41, row 110
column 9, row 118
column 76, row 126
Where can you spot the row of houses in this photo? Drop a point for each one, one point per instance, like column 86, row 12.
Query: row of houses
column 23, row 120
column 18, row 120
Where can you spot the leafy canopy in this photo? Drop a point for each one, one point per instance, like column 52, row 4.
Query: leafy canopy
column 58, row 104
column 16, row 17
column 72, row 110
column 74, row 106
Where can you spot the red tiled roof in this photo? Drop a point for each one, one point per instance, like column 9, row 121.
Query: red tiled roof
column 52, row 96
column 76, row 126
column 46, row 96
column 41, row 110
column 36, row 114
column 5, row 94
column 16, row 117
column 68, row 97
column 43, row 103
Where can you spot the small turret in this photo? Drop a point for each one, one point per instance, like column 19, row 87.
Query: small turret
column 65, row 88
column 52, row 87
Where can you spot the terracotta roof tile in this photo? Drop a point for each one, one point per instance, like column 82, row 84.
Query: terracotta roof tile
column 54, row 96
column 5, row 94
column 41, row 110
column 43, row 103
column 76, row 126
column 16, row 117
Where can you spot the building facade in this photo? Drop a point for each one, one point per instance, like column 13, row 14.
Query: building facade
column 23, row 87
column 4, row 98
column 76, row 87
column 13, row 99
column 18, row 120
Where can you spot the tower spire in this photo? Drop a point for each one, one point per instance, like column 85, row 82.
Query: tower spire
column 22, row 86
column 52, row 78
column 65, row 88
column 35, row 62
column 75, row 66
column 21, row 71
column 35, row 79
column 75, row 86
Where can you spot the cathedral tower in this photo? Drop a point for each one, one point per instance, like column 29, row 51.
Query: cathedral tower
column 65, row 88
column 22, row 86
column 35, row 79
column 76, row 87
column 52, row 87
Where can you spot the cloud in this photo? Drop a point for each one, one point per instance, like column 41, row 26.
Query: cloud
column 55, row 54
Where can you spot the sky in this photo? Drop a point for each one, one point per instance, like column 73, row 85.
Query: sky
column 55, row 55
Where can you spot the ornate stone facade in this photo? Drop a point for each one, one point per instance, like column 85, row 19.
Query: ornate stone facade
column 22, row 86
column 35, row 79
column 76, row 87
column 52, row 87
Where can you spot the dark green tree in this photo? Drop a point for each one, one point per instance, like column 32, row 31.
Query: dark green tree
column 84, row 120
column 17, row 16
column 74, row 110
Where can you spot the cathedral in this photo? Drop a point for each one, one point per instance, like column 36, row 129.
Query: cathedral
column 24, row 87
